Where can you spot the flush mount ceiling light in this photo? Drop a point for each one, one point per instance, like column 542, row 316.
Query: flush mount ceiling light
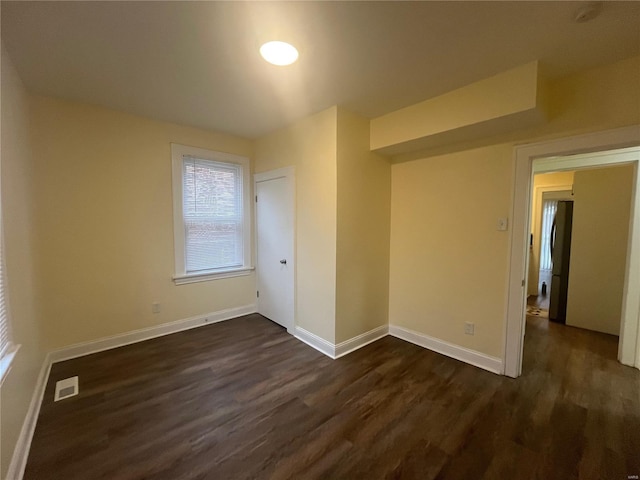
column 279, row 53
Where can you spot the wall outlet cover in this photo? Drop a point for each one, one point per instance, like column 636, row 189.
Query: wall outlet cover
column 469, row 328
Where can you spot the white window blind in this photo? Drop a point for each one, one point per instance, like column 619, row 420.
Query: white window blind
column 213, row 214
column 4, row 314
column 548, row 214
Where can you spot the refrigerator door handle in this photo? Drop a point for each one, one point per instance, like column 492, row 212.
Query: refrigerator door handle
column 552, row 238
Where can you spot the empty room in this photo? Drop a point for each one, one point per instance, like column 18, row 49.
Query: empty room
column 338, row 240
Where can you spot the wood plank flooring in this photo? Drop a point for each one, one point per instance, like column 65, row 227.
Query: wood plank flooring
column 242, row 399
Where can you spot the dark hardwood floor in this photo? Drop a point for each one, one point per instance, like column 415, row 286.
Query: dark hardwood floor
column 243, row 399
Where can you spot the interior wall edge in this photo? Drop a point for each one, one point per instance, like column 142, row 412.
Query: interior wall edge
column 362, row 340
column 335, row 351
column 315, row 341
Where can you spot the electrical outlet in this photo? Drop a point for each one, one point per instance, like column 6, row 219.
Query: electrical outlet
column 469, row 328
column 155, row 307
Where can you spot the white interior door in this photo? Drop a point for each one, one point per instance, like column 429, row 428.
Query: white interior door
column 274, row 245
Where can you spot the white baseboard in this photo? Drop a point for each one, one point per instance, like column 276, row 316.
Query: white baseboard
column 348, row 346
column 21, row 450
column 135, row 336
column 313, row 340
column 336, row 351
column 486, row 362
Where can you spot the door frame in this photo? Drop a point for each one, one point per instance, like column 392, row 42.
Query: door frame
column 287, row 173
column 581, row 151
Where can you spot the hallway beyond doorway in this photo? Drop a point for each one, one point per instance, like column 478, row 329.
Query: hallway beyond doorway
column 542, row 299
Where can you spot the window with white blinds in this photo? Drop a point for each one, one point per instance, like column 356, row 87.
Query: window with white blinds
column 211, row 214
column 4, row 317
column 7, row 348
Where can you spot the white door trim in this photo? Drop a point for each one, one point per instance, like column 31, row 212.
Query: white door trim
column 545, row 155
column 289, row 174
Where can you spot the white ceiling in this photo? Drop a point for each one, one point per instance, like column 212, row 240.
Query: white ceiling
column 197, row 63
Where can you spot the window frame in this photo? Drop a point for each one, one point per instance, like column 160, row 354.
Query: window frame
column 181, row 277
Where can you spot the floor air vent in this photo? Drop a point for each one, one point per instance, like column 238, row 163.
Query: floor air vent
column 66, row 388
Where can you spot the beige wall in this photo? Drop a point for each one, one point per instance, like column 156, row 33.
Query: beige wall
column 505, row 102
column 16, row 170
column 542, row 183
column 342, row 221
column 448, row 260
column 602, row 207
column 448, row 263
column 310, row 146
column 362, row 261
column 105, row 222
column 599, row 99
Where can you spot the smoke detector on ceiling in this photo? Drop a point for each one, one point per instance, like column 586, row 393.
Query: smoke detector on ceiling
column 587, row 12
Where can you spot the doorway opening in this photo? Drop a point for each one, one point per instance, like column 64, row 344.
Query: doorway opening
column 579, row 253
column 548, row 190
column 604, row 149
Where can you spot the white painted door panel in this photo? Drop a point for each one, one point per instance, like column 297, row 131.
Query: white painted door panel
column 274, row 235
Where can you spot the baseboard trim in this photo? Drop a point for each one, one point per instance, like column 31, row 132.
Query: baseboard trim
column 23, row 445
column 348, row 346
column 477, row 359
column 135, row 336
column 343, row 348
column 21, row 452
column 313, row 340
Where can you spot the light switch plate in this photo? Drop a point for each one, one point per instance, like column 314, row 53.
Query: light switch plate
column 503, row 224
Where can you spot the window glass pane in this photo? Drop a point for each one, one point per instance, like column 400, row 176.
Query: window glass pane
column 213, row 216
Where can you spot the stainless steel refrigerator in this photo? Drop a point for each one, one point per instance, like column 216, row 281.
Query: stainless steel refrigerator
column 560, row 254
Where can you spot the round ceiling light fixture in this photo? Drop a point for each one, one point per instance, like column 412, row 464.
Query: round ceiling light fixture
column 279, row 53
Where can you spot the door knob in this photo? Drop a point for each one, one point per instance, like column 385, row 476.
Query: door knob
column 283, row 261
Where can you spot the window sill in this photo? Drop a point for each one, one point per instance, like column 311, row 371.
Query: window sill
column 5, row 362
column 207, row 276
